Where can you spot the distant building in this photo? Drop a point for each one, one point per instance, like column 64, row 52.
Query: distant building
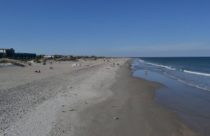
column 25, row 56
column 10, row 53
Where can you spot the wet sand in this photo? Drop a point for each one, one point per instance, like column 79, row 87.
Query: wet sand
column 131, row 111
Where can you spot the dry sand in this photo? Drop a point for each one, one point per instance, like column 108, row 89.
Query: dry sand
column 92, row 98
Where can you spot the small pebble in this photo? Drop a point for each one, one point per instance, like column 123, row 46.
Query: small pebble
column 116, row 118
column 72, row 110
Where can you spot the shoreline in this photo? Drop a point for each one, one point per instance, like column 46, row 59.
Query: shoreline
column 131, row 110
column 98, row 98
column 187, row 101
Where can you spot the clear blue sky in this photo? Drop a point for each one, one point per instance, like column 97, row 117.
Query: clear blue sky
column 107, row 27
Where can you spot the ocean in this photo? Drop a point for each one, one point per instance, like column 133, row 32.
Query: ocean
column 186, row 86
column 193, row 71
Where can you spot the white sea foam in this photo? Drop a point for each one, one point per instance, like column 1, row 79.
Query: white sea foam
column 197, row 73
column 194, row 85
column 162, row 66
column 188, row 83
column 140, row 60
column 157, row 65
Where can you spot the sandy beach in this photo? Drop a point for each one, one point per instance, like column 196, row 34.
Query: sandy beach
column 84, row 98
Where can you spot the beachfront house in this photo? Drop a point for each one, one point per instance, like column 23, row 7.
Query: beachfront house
column 10, row 53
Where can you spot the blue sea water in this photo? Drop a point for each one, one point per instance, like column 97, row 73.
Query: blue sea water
column 193, row 71
column 186, row 88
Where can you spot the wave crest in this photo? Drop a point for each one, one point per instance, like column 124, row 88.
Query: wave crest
column 197, row 73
